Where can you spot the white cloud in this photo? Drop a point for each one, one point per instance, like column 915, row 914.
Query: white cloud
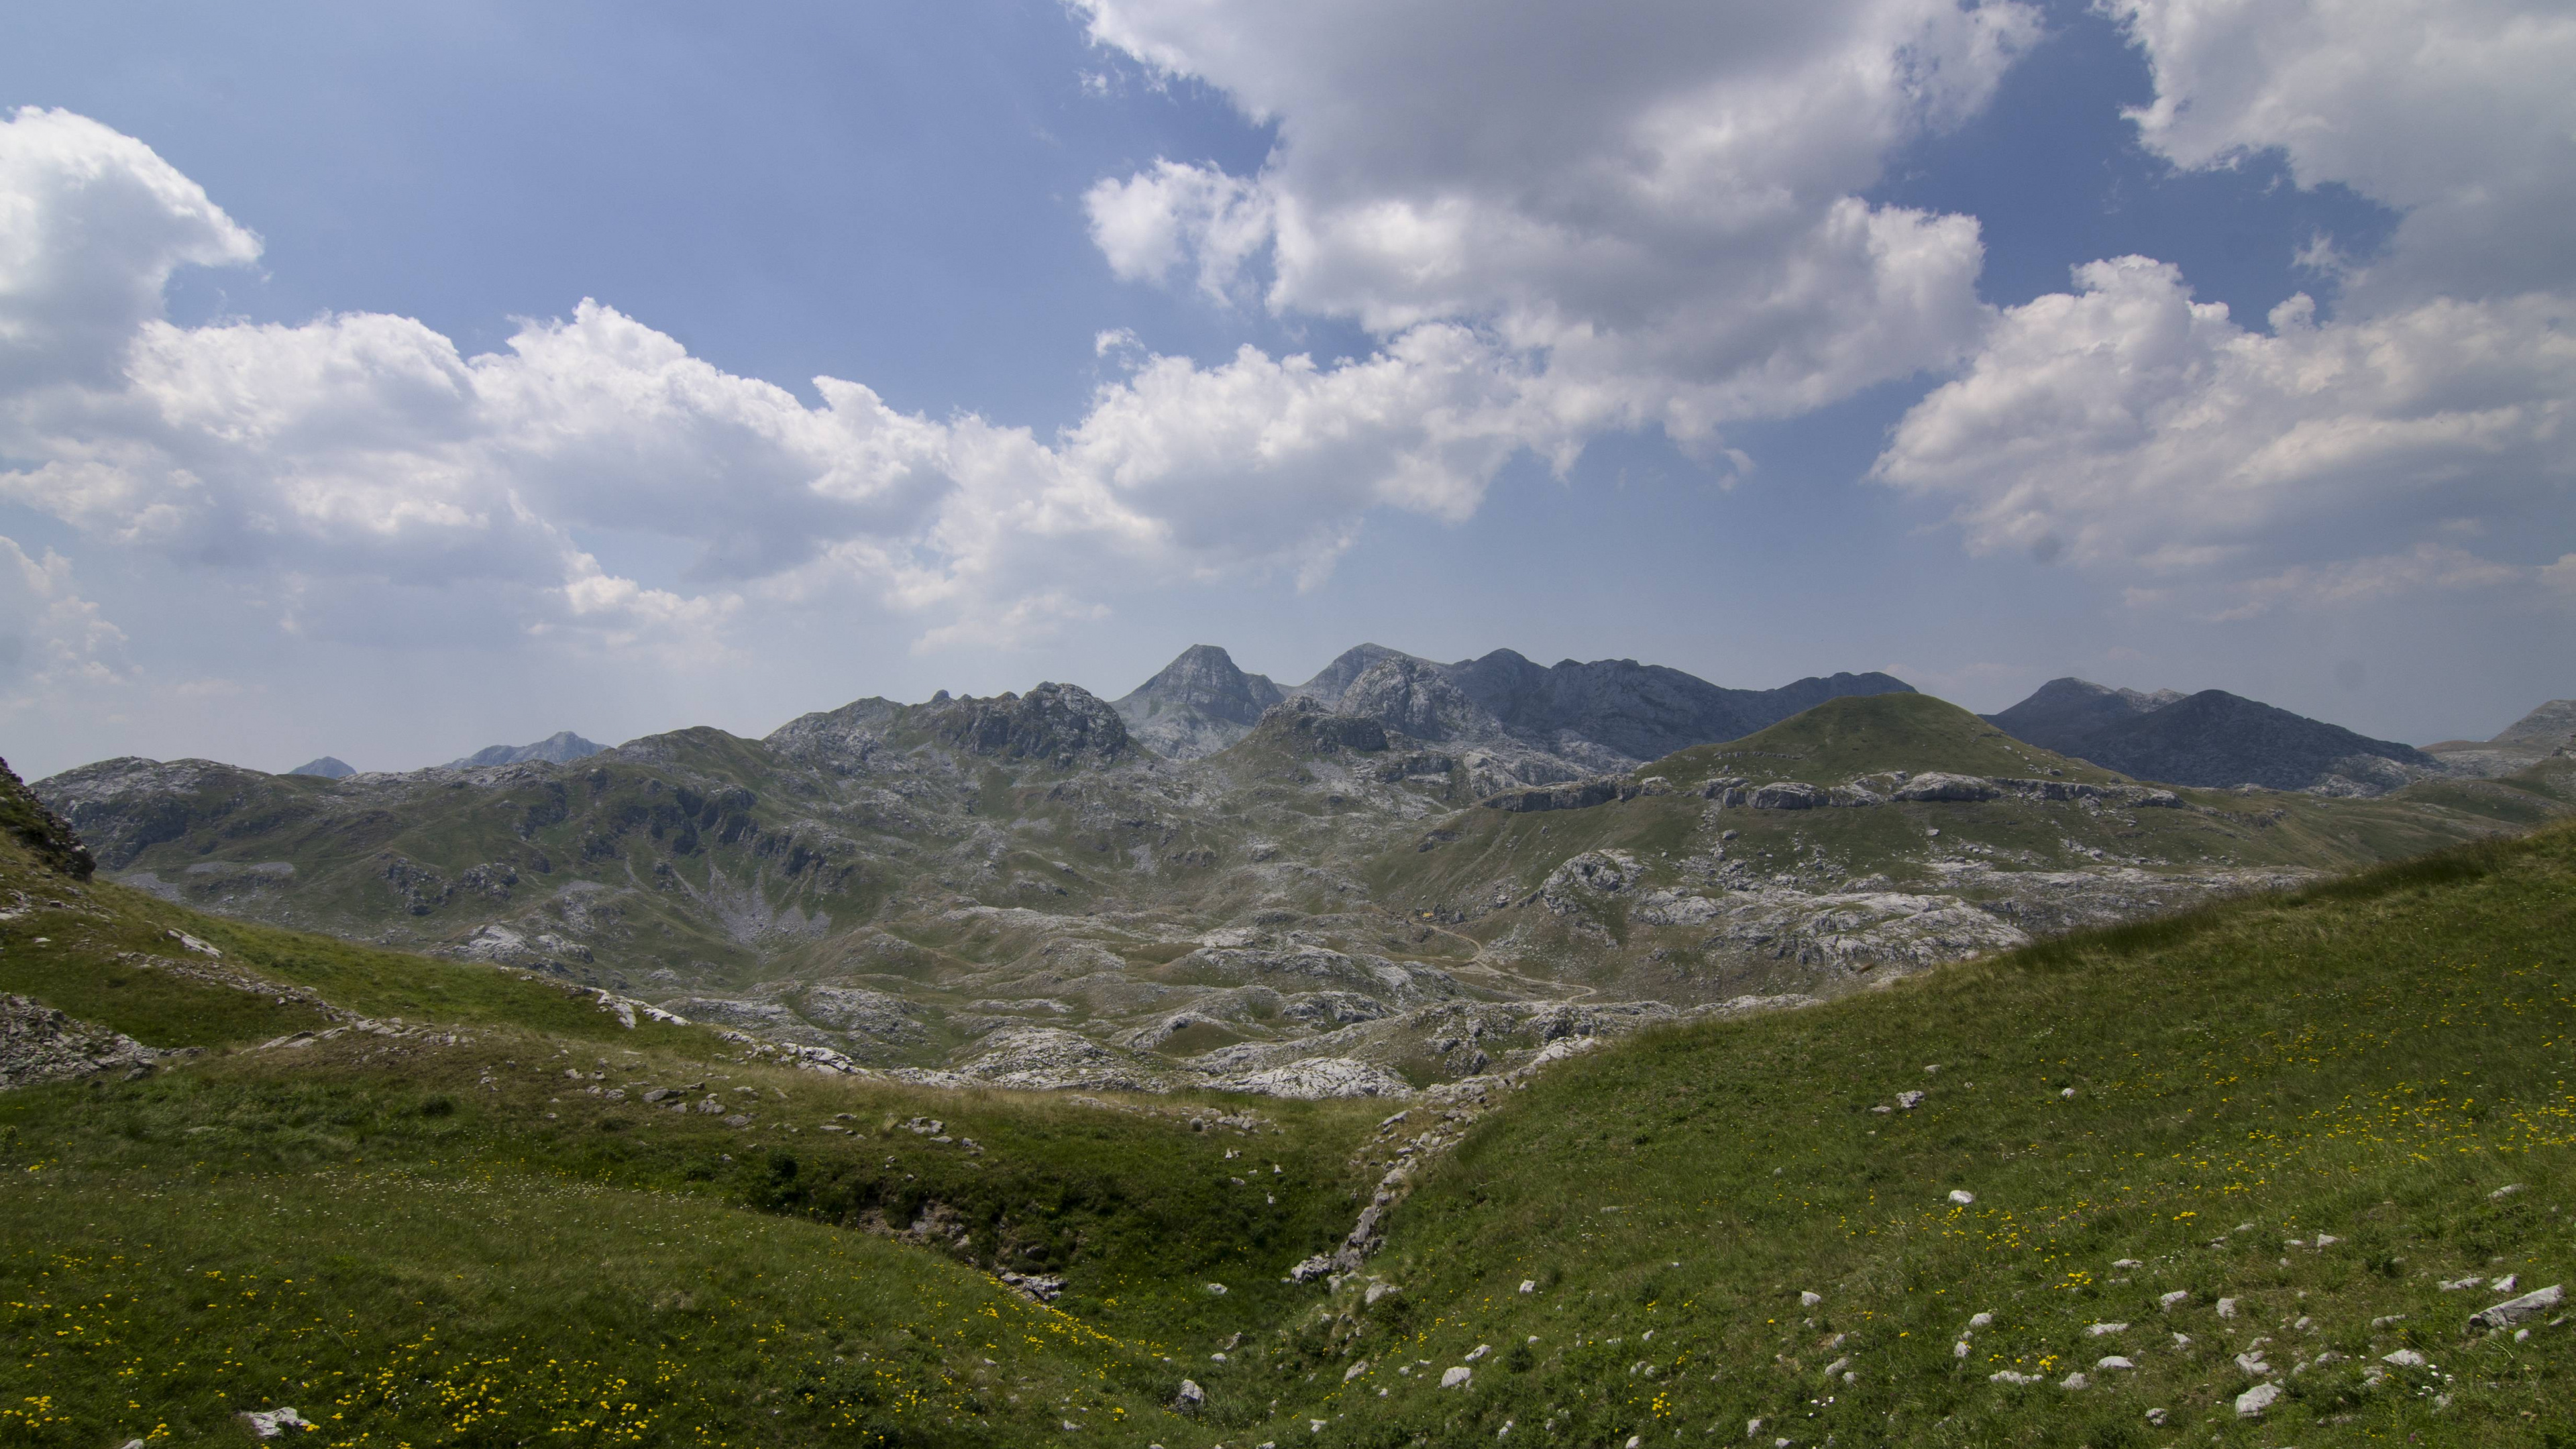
column 2125, row 422
column 2128, row 422
column 1654, row 205
column 2456, row 112
column 377, row 485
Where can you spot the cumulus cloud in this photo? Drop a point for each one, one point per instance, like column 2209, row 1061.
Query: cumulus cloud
column 2455, row 112
column 2125, row 422
column 1656, row 206
column 2129, row 422
column 380, row 483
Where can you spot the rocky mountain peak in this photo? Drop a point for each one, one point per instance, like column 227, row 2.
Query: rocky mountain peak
column 1197, row 705
column 1413, row 697
column 1328, row 686
column 1204, row 678
column 1059, row 724
column 329, row 767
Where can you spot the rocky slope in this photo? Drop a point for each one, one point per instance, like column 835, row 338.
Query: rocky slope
column 1014, row 890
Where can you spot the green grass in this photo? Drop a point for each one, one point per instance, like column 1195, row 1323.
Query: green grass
column 2369, row 1060
column 483, row 1252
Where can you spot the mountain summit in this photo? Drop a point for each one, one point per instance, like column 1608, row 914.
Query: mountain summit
column 1197, row 705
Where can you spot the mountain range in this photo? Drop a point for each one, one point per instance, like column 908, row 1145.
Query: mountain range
column 1557, row 721
column 1397, row 872
column 2218, row 740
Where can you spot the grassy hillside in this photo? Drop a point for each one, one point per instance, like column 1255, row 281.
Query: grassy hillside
column 2307, row 1108
column 2312, row 1107
column 1843, row 738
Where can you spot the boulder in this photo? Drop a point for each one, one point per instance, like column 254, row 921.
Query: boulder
column 2514, row 1310
column 2252, row 1403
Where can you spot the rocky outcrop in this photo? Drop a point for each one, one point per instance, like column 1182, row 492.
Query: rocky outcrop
column 1063, row 725
column 1199, row 704
column 40, row 1044
column 37, row 829
column 1329, row 683
column 1410, row 696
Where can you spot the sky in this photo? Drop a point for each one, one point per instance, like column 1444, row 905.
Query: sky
column 392, row 381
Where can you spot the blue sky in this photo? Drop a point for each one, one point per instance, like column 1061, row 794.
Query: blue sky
column 1750, row 343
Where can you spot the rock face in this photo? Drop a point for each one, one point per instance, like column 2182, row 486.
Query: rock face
column 2063, row 712
column 40, row 1044
column 2211, row 739
column 560, row 748
column 1060, row 724
column 1199, row 704
column 44, row 834
column 1327, row 687
column 329, row 767
column 1411, row 696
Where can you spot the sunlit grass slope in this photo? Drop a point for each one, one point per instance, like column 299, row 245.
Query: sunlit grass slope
column 2306, row 1105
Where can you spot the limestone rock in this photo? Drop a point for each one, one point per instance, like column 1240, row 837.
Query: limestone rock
column 2252, row 1403
column 40, row 1044
column 2514, row 1310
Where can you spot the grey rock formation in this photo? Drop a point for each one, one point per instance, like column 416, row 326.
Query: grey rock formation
column 560, row 748
column 1411, row 696
column 40, row 1044
column 329, row 767
column 1327, row 686
column 1060, row 724
column 2514, row 1310
column 1199, row 704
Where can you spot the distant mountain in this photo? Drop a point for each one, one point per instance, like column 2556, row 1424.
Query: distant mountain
column 2212, row 739
column 1198, row 705
column 560, row 748
column 1602, row 715
column 329, row 767
column 2519, row 746
column 1642, row 711
column 2065, row 711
